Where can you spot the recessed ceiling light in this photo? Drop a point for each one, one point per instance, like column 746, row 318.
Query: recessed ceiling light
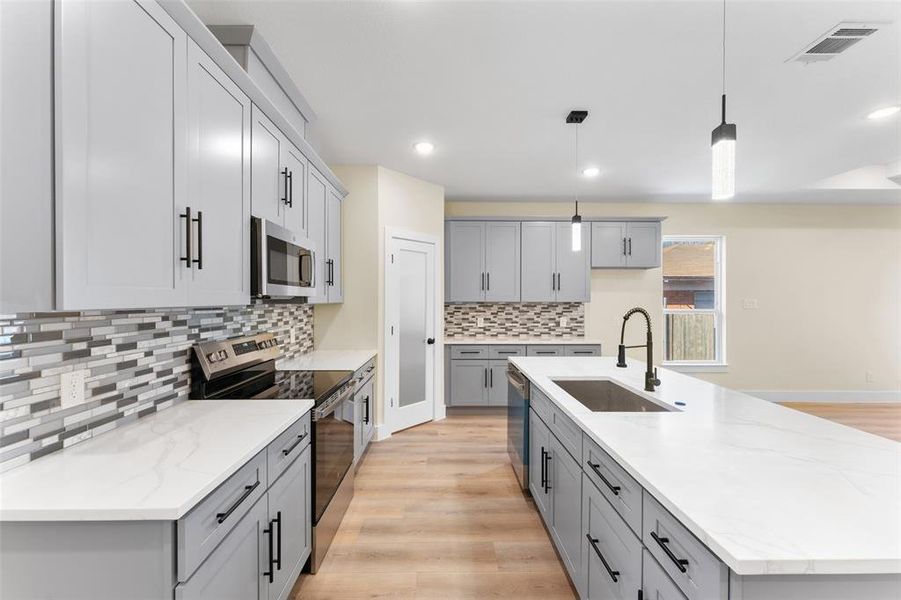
column 884, row 112
column 591, row 171
column 424, row 148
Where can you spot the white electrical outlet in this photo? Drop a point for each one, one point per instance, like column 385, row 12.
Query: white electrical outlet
column 480, row 321
column 750, row 304
column 71, row 392
column 563, row 321
column 293, row 336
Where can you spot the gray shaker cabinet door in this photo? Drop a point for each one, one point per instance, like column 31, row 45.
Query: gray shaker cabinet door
column 317, row 205
column 502, row 261
column 538, row 261
column 566, row 486
column 469, row 382
column 539, row 447
column 644, row 247
column 120, row 156
column 656, row 584
column 497, row 383
column 465, row 262
column 219, row 117
column 290, row 514
column 573, row 268
column 609, row 244
column 333, row 243
column 234, row 571
column 267, row 181
column 296, row 215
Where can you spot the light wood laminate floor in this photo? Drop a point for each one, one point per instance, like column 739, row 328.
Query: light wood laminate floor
column 437, row 513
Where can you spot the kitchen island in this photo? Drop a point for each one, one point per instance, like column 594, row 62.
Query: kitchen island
column 787, row 505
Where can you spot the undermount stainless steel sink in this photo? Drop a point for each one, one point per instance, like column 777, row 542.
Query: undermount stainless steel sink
column 605, row 396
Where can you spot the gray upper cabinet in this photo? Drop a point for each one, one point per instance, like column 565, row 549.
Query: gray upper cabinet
column 295, row 181
column 465, row 257
column 120, row 187
column 502, row 261
column 621, row 244
column 483, row 261
column 279, row 173
column 334, row 283
column 219, row 119
column 551, row 271
column 324, row 210
column 573, row 268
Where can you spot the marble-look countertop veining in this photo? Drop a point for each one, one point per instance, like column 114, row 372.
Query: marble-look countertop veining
column 157, row 468
column 768, row 489
column 327, row 360
column 520, row 341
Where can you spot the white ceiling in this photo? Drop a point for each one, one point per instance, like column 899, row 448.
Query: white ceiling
column 491, row 82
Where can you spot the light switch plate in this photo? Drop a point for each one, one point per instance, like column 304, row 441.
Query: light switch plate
column 480, row 321
column 750, row 304
column 71, row 392
column 293, row 336
column 563, row 321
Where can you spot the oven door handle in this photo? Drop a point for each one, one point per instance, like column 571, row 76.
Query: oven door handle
column 330, row 407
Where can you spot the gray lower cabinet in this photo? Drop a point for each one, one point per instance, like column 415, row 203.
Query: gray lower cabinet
column 497, row 383
column 621, row 244
column 611, row 552
column 565, row 477
column 469, row 382
column 364, row 427
column 655, row 582
column 539, row 450
column 291, row 525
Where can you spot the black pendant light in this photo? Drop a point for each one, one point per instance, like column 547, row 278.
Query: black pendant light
column 576, row 117
column 722, row 142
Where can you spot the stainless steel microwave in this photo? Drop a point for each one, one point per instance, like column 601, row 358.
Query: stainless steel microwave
column 281, row 262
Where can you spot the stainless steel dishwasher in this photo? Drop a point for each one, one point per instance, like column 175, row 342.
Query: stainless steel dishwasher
column 518, row 423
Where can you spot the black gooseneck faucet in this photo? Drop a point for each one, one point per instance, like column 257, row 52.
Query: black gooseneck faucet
column 650, row 376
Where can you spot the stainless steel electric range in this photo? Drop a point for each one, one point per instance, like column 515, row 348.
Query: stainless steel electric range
column 244, row 368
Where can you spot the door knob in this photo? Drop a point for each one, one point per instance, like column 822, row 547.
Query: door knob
column 430, row 341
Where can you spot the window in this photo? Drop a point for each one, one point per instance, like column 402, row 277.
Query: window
column 693, row 283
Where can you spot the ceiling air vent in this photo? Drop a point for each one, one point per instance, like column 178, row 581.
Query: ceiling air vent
column 835, row 41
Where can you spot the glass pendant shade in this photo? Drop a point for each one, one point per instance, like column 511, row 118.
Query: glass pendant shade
column 722, row 141
column 577, row 233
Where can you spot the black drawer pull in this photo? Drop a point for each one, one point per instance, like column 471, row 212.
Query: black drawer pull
column 271, row 572
column 597, row 469
column 681, row 563
column 248, row 490
column 543, row 465
column 470, row 352
column 299, row 439
column 614, row 575
column 547, row 473
column 278, row 542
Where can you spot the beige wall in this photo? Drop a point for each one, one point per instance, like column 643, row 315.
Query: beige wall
column 379, row 198
column 827, row 278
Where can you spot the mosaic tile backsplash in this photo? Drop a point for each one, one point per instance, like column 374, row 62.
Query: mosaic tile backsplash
column 514, row 320
column 137, row 362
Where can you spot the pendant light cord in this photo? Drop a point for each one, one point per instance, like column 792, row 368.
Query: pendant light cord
column 578, row 125
column 724, row 61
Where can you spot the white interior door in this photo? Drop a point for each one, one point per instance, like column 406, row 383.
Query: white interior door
column 410, row 325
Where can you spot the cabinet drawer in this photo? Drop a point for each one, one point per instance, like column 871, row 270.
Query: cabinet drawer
column 656, row 584
column 611, row 552
column 506, row 351
column 469, row 352
column 209, row 522
column 567, row 432
column 544, row 350
column 288, row 446
column 541, row 404
column 582, row 351
column 623, row 492
column 697, row 572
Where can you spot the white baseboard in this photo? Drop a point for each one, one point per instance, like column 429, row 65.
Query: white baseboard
column 382, row 432
column 833, row 396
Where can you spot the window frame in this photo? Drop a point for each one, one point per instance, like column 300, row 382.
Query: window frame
column 718, row 311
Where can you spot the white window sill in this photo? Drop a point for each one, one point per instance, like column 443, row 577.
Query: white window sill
column 697, row 367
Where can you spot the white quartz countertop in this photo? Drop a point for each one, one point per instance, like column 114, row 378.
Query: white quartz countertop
column 521, row 341
column 768, row 489
column 327, row 360
column 157, row 468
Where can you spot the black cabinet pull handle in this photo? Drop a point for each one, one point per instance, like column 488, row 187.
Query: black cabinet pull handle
column 624, row 246
column 614, row 575
column 248, row 490
column 290, row 184
column 543, row 470
column 559, row 285
column 680, row 563
column 554, row 282
column 285, row 175
column 296, row 443
column 271, row 572
column 630, row 246
column 366, row 414
column 482, row 284
column 469, row 352
column 199, row 221
column 278, row 540
column 596, row 468
column 188, row 249
column 486, row 377
column 488, row 281
column 547, row 473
